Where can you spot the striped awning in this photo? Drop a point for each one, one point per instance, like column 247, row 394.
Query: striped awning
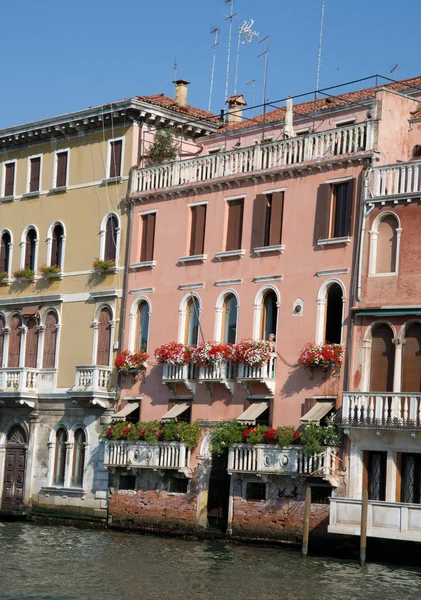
column 317, row 412
column 125, row 411
column 176, row 411
column 254, row 411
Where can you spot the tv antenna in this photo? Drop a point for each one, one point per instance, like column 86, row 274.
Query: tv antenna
column 214, row 31
column 265, row 79
column 245, row 34
column 394, row 71
column 230, row 18
column 319, row 57
column 252, row 82
column 175, row 66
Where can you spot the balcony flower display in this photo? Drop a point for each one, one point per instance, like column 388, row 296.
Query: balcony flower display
column 3, row 275
column 226, row 433
column 50, row 270
column 24, row 274
column 103, row 265
column 131, row 362
column 322, row 356
column 211, row 353
column 153, row 432
column 253, row 352
column 174, row 353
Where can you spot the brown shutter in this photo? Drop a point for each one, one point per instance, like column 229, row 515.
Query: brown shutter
column 14, row 342
column 275, row 233
column 31, row 347
column 411, row 379
column 55, row 259
column 50, row 341
column 61, row 176
column 382, row 359
column 198, row 224
column 115, row 158
column 235, row 224
column 323, row 205
column 349, row 207
column 259, row 221
column 35, row 173
column 9, row 179
column 110, row 239
column 30, row 249
column 366, row 461
column 4, row 252
column 2, row 324
column 104, row 338
column 148, row 237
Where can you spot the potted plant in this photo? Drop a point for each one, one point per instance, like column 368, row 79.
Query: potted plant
column 327, row 357
column 24, row 274
column 131, row 362
column 50, row 270
column 212, row 353
column 253, row 352
column 3, row 276
column 173, row 353
column 103, row 265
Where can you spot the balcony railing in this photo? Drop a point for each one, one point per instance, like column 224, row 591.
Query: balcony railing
column 387, row 410
column 258, row 374
column 141, row 455
column 402, row 179
column 92, row 378
column 269, row 459
column 391, row 520
column 27, row 380
column 274, row 155
column 222, row 372
column 175, row 374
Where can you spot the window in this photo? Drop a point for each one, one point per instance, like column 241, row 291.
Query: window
column 198, row 224
column 57, row 238
column 267, row 220
column 78, row 458
column 409, row 469
column 31, row 343
column 382, row 359
column 178, row 485
column 142, row 326
column 320, row 494
column 411, row 375
column 386, row 245
column 9, row 179
column 269, row 322
column 235, row 224
column 148, row 237
column 192, row 322
column 60, row 456
column 177, row 411
column 334, row 309
column 255, row 491
column 334, row 210
column 111, row 230
column 104, row 338
column 14, row 341
column 61, row 169
column 5, row 244
column 127, row 482
column 2, row 326
column 50, row 341
column 34, row 174
column 116, row 148
column 229, row 320
column 30, row 249
column 374, row 474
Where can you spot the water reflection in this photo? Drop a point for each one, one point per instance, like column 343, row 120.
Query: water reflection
column 57, row 563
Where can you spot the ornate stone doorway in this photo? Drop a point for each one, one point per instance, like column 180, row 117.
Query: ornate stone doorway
column 14, row 469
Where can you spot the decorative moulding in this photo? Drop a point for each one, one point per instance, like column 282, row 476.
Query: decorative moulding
column 228, row 282
column 267, row 279
column 193, row 258
column 147, row 264
column 229, row 254
column 268, row 249
column 58, row 190
column 334, row 241
column 191, row 286
column 330, row 272
column 141, row 291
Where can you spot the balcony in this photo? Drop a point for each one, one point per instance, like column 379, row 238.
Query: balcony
column 258, row 374
column 381, row 411
column 402, row 180
column 222, row 372
column 172, row 375
column 141, row 455
column 272, row 156
column 266, row 459
column 26, row 382
column 390, row 520
column 93, row 382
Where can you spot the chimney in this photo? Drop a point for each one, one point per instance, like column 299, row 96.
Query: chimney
column 235, row 108
column 289, row 127
column 181, row 91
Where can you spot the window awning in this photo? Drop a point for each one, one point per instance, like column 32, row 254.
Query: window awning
column 29, row 311
column 254, row 411
column 317, row 412
column 125, row 411
column 176, row 411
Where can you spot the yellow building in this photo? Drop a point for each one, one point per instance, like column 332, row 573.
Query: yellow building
column 63, row 223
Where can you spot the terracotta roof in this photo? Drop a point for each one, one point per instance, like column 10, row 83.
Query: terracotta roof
column 416, row 114
column 171, row 104
column 326, row 103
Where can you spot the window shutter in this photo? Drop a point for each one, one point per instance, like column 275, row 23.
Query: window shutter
column 61, row 176
column 398, row 477
column 4, row 253
column 9, row 179
column 411, row 380
column 55, row 259
column 322, row 222
column 275, row 233
column 31, row 346
column 30, row 250
column 148, row 237
column 35, row 173
column 349, row 207
column 115, row 158
column 259, row 221
column 50, row 341
column 110, row 239
column 382, row 359
column 104, row 338
column 235, row 224
column 14, row 342
column 197, row 243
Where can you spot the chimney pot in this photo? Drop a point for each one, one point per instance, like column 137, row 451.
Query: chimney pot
column 181, row 91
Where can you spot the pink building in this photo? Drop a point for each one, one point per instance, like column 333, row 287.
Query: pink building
column 256, row 237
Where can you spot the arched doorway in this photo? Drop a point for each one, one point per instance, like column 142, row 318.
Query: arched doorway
column 14, row 469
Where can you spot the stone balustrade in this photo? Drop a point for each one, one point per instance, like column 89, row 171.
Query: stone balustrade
column 92, row 378
column 141, row 455
column 388, row 410
column 397, row 180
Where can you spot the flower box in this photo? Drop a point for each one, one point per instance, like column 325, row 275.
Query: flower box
column 327, row 357
column 50, row 270
column 3, row 276
column 131, row 362
column 24, row 274
column 212, row 353
column 103, row 265
column 253, row 352
column 173, row 353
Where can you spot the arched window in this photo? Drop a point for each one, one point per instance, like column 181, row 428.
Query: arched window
column 30, row 249
column 78, row 458
column 56, row 257
column 269, row 322
column 2, row 325
column 50, row 341
column 382, row 359
column 110, row 250
column 142, row 328
column 104, row 337
column 14, row 341
column 411, row 368
column 192, row 322
column 229, row 320
column 387, row 245
column 16, row 435
column 31, row 346
column 5, row 244
column 60, row 456
column 333, row 317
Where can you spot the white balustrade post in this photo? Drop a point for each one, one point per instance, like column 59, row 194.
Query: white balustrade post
column 6, row 333
column 397, row 376
column 69, row 464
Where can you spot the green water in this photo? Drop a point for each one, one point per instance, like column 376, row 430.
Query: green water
column 62, row 563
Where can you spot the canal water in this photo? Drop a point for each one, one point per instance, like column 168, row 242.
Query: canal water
column 63, row 563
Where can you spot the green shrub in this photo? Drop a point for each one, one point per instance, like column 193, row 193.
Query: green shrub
column 224, row 434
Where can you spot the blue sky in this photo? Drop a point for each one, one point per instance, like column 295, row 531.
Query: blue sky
column 64, row 56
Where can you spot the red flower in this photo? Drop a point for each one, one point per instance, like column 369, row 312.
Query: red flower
column 246, row 433
column 295, row 436
column 142, row 432
column 269, row 435
column 125, row 432
column 109, row 432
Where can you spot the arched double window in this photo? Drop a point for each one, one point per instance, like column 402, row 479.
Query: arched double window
column 330, row 313
column 78, row 458
column 60, row 456
column 30, row 249
column 109, row 231
column 385, row 245
column 382, row 358
column 5, row 252
column 57, row 246
column 103, row 352
column 142, row 326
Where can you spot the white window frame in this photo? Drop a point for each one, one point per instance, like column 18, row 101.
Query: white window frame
column 23, row 246
column 60, row 151
column 108, row 163
column 321, row 309
column 182, row 311
column 219, row 311
column 258, row 309
column 28, row 174
column 9, row 270
column 49, row 241
column 95, row 324
column 374, row 234
column 3, row 182
column 133, row 321
column 103, row 233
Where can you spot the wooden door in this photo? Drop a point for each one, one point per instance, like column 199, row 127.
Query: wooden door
column 14, row 477
column 218, row 495
column 104, row 338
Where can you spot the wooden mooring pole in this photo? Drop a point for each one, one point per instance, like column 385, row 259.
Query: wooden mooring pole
column 306, row 532
column 363, row 538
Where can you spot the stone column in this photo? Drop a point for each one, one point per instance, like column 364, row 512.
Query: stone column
column 397, row 373
column 69, row 465
column 391, row 472
column 32, row 479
